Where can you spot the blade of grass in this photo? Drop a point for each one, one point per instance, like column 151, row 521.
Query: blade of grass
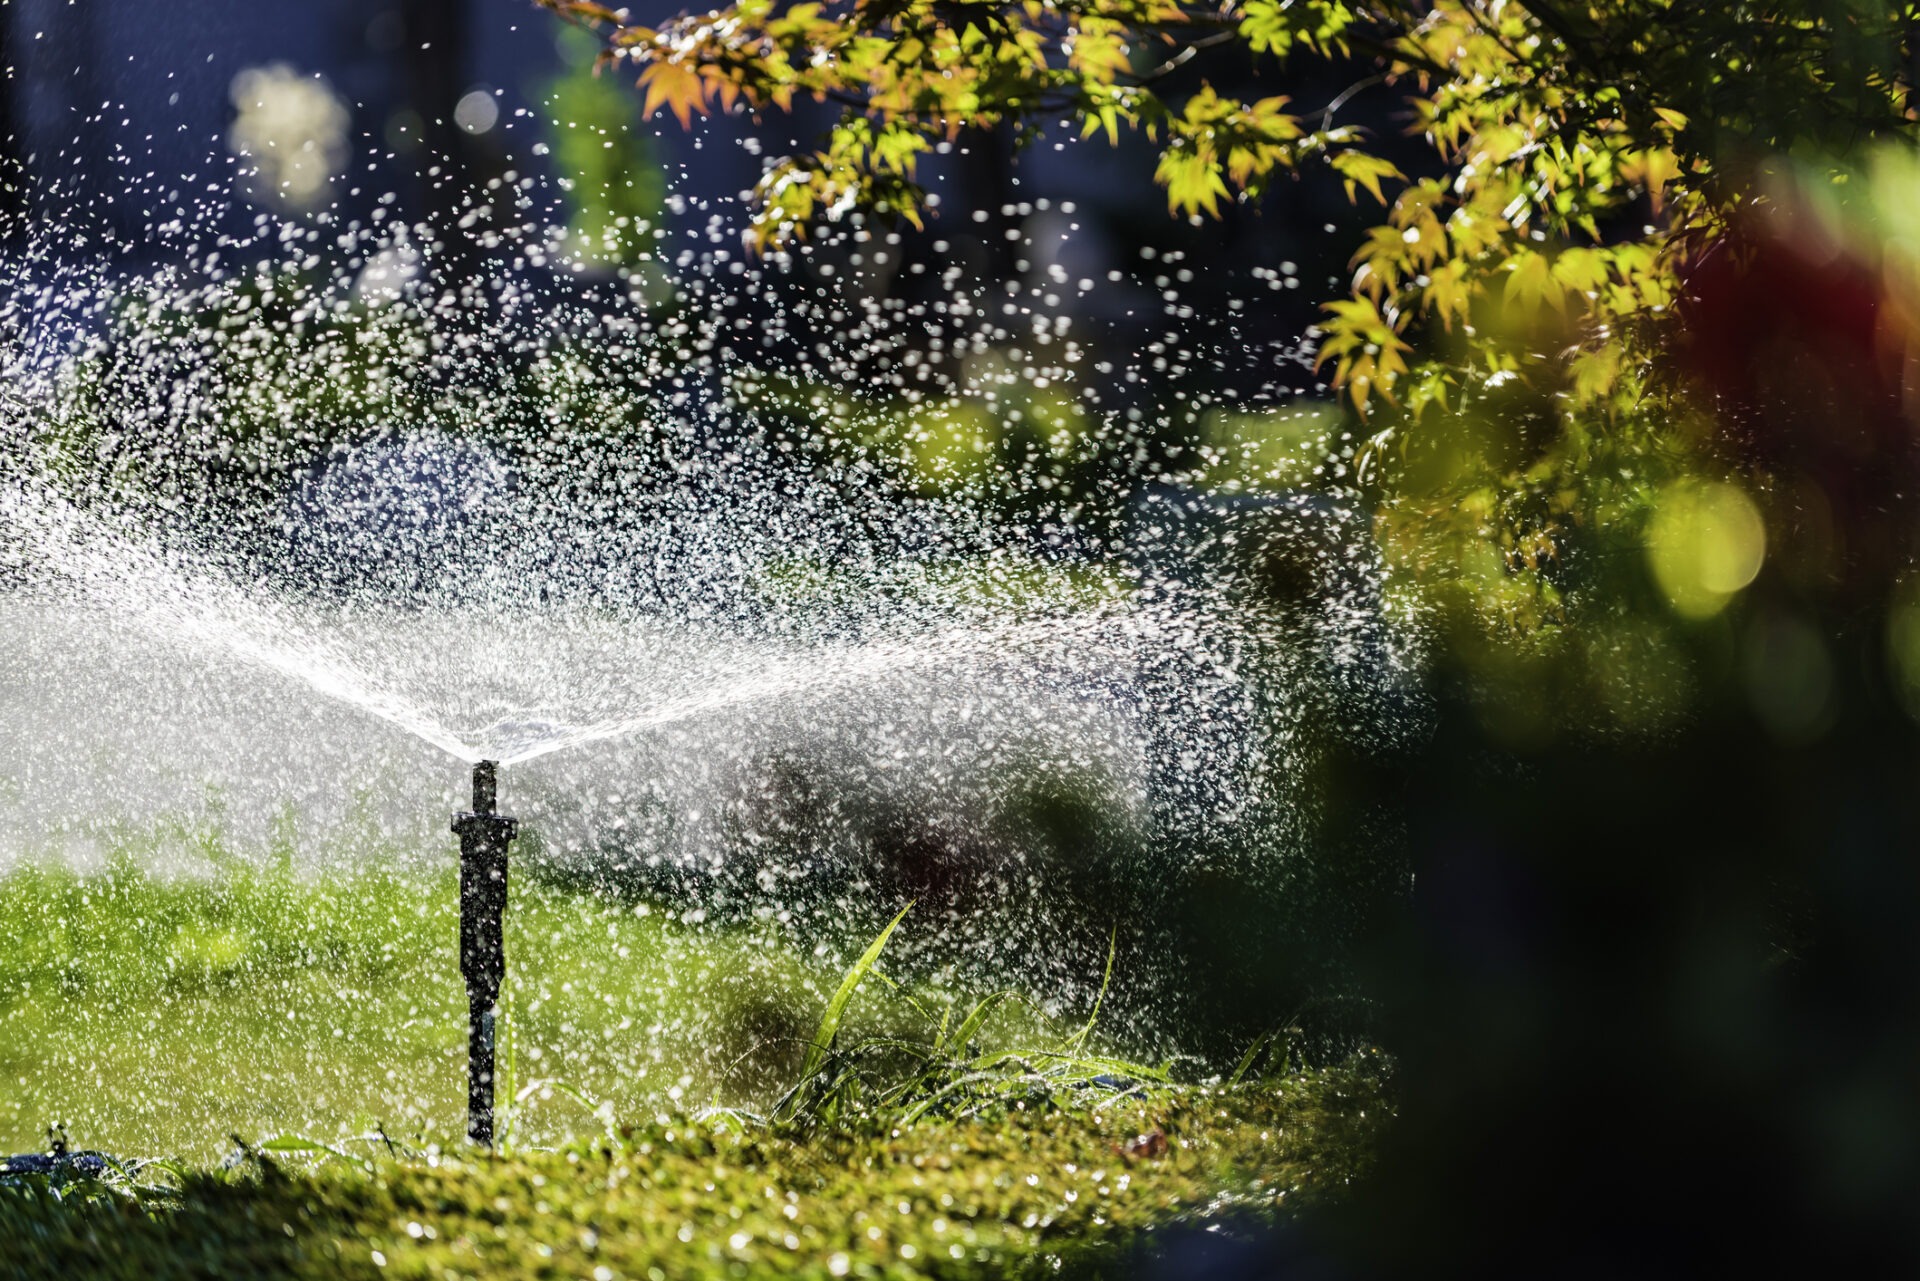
column 601, row 1109
column 963, row 1034
column 1113, row 942
column 301, row 1145
column 837, row 1007
column 999, row 1081
column 1253, row 1052
column 734, row 1121
column 918, row 1007
column 1057, row 1060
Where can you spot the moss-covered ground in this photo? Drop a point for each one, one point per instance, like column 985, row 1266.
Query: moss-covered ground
column 1022, row 1191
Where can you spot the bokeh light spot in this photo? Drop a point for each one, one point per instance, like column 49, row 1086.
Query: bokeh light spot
column 1704, row 544
column 476, row 112
column 292, row 129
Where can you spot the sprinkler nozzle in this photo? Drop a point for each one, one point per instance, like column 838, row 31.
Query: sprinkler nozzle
column 483, row 960
column 485, row 786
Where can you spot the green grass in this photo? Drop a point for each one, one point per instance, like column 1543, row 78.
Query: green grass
column 678, row 1100
column 152, row 1014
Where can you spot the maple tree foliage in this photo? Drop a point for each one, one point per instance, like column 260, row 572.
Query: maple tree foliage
column 1587, row 149
column 1521, row 293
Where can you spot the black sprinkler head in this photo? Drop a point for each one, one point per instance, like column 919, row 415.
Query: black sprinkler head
column 485, row 787
column 484, row 836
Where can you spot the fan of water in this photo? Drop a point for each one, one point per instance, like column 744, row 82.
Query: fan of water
column 511, row 517
column 737, row 566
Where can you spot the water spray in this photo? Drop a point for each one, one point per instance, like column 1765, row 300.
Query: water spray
column 484, row 835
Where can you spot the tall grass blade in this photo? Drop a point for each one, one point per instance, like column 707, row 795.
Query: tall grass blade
column 1113, row 943
column 1253, row 1052
column 547, row 1086
column 830, row 1021
column 963, row 1035
column 939, row 1025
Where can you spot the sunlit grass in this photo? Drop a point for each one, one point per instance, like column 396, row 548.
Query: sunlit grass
column 677, row 1098
column 164, row 1014
column 1025, row 1190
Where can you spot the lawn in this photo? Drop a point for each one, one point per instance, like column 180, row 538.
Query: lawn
column 290, row 1047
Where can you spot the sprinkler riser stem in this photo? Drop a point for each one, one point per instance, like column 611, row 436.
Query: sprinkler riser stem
column 484, row 836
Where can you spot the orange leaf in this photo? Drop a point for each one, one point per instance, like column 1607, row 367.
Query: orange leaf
column 675, row 86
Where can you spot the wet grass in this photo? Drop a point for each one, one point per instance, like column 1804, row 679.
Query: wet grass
column 1040, row 1187
column 678, row 1101
column 163, row 1014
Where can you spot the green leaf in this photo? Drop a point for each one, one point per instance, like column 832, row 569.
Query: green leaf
column 1594, row 373
column 1192, row 180
column 1358, row 169
column 1530, row 281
